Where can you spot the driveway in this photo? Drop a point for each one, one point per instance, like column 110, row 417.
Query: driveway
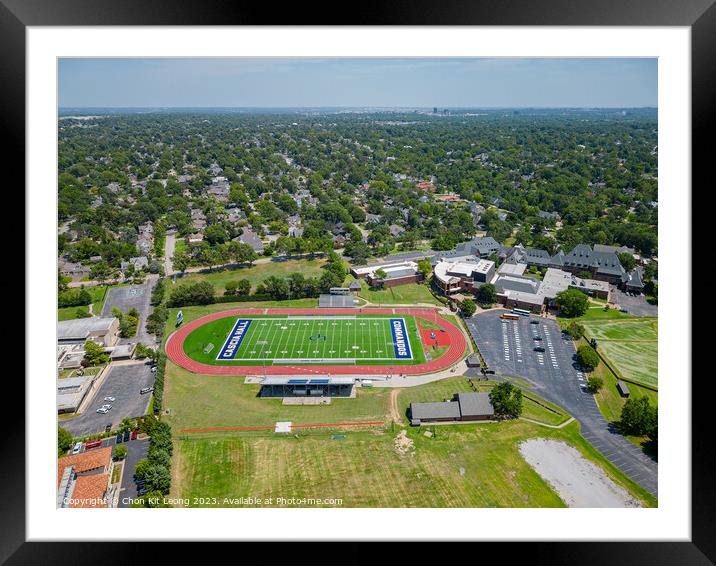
column 123, row 382
column 169, row 244
column 508, row 348
column 136, row 450
column 636, row 305
column 138, row 297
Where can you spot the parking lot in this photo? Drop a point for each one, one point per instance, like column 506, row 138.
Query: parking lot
column 508, row 349
column 136, row 450
column 123, row 382
column 133, row 296
column 634, row 304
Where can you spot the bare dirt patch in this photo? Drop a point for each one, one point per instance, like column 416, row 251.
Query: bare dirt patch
column 403, row 444
column 394, row 411
column 579, row 482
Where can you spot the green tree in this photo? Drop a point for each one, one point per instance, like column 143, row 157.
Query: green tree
column 639, row 417
column 594, row 383
column 120, row 452
column 506, row 399
column 486, row 294
column 94, row 354
column 64, row 440
column 140, row 470
column 572, row 303
column 468, row 307
column 627, row 260
column 587, row 357
column 243, row 287
column 158, row 478
column 575, row 330
column 425, row 268
column 231, row 287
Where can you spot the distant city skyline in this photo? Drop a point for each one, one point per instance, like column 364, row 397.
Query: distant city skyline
column 357, row 82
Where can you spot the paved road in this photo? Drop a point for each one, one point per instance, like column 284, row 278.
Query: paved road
column 508, row 348
column 169, row 243
column 139, row 297
column 122, row 382
column 136, row 450
column 636, row 305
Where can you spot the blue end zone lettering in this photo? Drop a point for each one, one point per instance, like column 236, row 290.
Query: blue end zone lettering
column 233, row 341
column 401, row 344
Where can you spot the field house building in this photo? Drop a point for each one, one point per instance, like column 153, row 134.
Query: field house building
column 463, row 407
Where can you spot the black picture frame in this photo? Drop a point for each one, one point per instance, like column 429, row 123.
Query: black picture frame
column 699, row 15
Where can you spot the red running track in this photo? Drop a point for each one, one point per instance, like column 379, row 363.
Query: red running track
column 457, row 346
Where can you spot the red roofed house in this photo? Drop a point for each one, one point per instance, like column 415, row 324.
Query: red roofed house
column 83, row 479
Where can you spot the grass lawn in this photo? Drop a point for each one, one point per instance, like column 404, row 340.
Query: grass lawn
column 117, row 472
column 460, row 466
column 198, row 401
column 631, row 345
column 257, row 273
column 472, row 465
column 408, row 294
column 98, row 292
column 533, row 407
column 180, row 245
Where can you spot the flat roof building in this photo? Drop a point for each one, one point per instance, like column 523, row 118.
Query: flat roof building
column 104, row 330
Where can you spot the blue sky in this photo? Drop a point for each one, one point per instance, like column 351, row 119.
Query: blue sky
column 417, row 82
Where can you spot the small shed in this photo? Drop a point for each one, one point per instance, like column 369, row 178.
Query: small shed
column 622, row 388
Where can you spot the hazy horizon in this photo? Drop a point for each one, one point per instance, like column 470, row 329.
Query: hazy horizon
column 413, row 83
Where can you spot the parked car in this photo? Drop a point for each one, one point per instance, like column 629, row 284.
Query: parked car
column 109, row 399
column 77, row 448
column 534, row 321
column 154, row 369
column 103, row 410
column 93, row 444
column 539, row 349
column 142, row 491
column 146, row 390
column 108, row 427
column 537, row 338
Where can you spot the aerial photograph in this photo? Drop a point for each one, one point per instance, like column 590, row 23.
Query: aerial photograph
column 357, row 282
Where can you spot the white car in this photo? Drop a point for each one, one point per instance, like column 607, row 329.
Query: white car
column 154, row 369
column 77, row 448
column 109, row 399
column 103, row 410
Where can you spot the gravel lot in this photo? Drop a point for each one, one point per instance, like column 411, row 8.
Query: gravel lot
column 122, row 382
column 579, row 482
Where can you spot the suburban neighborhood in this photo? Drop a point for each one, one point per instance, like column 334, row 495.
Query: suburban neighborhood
column 454, row 308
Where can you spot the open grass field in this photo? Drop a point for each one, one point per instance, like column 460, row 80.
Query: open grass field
column 631, row 345
column 258, row 272
column 409, row 294
column 460, row 466
column 99, row 293
column 251, row 340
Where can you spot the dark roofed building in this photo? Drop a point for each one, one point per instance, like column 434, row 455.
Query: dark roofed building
column 622, row 388
column 463, row 407
column 604, row 266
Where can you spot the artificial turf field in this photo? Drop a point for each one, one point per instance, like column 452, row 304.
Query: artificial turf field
column 278, row 339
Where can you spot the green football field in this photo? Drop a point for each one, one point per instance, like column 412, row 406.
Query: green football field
column 269, row 340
